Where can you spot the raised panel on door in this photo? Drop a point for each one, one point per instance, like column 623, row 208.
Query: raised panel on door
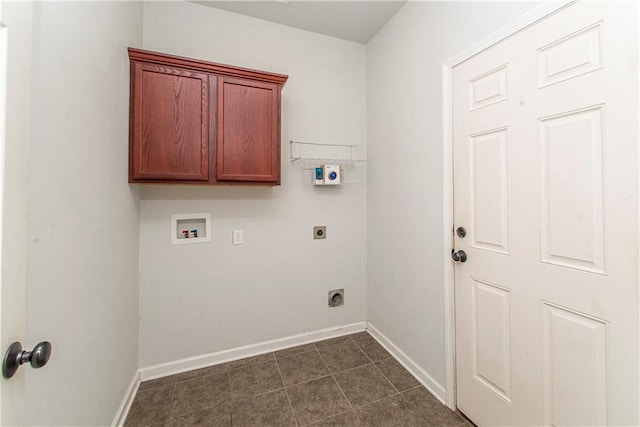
column 490, row 191
column 572, row 189
column 488, row 88
column 491, row 334
column 248, row 141
column 170, row 115
column 571, row 56
column 574, row 368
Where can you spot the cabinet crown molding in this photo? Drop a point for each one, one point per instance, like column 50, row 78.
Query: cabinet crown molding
column 200, row 65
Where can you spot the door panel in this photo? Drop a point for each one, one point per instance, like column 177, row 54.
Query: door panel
column 490, row 187
column 492, row 337
column 488, row 88
column 17, row 19
column 571, row 56
column 574, row 368
column 572, row 189
column 546, row 183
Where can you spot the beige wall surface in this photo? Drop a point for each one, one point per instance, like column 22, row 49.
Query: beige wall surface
column 203, row 298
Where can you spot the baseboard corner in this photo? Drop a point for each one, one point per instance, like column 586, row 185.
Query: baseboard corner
column 127, row 400
column 409, row 364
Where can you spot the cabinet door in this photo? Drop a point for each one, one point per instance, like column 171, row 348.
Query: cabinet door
column 170, row 116
column 248, row 140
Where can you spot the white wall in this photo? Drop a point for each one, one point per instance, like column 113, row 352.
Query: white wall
column 404, row 131
column 198, row 299
column 82, row 290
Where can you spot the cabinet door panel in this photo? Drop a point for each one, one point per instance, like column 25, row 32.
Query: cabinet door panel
column 170, row 139
column 248, row 140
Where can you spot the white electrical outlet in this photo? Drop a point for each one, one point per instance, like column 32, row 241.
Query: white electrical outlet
column 237, row 237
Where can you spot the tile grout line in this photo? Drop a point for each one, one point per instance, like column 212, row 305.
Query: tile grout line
column 296, row 354
column 229, row 396
column 325, row 365
column 336, row 383
column 412, row 388
column 247, row 365
column 174, row 387
column 342, row 391
column 356, row 367
column 289, row 349
column 335, row 415
column 173, row 393
column 390, row 382
column 377, row 400
column 365, row 353
column 378, row 369
column 355, row 410
column 284, row 385
column 200, row 379
column 351, row 369
column 305, row 382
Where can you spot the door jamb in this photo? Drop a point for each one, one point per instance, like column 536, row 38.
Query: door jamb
column 3, row 117
column 530, row 18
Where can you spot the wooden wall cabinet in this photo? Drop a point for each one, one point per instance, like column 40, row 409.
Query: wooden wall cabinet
column 195, row 122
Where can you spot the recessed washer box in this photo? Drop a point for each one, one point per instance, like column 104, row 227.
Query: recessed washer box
column 190, row 228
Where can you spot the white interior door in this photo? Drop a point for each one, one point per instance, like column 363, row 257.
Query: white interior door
column 546, row 185
column 15, row 125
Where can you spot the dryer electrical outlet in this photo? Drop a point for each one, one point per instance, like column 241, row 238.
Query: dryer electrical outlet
column 320, row 232
column 336, row 298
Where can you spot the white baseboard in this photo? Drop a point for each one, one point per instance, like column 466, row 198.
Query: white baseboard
column 206, row 360
column 125, row 406
column 421, row 375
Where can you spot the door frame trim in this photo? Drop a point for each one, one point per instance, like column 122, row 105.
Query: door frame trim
column 530, row 18
column 3, row 134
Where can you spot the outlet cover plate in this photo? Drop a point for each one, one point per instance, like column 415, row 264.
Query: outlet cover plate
column 320, row 232
column 237, row 237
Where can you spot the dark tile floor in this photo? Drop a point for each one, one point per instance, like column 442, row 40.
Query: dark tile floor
column 345, row 381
